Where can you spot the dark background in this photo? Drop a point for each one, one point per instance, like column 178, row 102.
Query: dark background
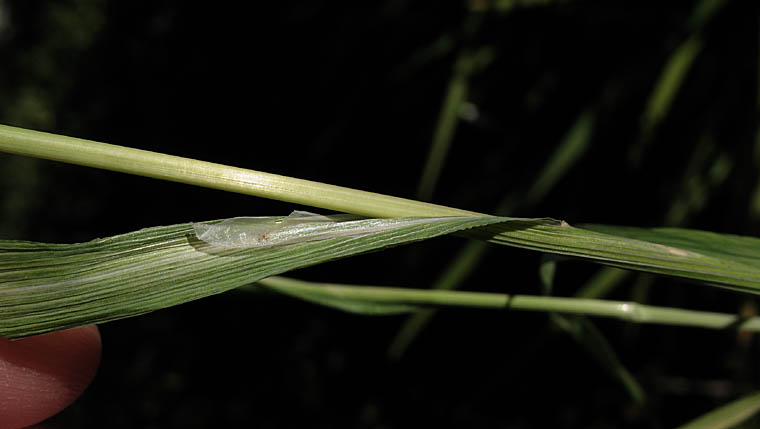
column 349, row 93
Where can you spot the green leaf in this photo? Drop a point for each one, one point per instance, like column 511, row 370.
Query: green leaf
column 45, row 287
column 719, row 259
column 728, row 415
column 544, row 235
column 743, row 251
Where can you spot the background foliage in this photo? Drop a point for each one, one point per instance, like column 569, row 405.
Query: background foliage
column 661, row 100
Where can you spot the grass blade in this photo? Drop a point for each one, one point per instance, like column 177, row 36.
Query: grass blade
column 586, row 334
column 728, row 415
column 673, row 76
column 715, row 266
column 45, row 287
column 743, row 250
column 456, row 95
column 719, row 259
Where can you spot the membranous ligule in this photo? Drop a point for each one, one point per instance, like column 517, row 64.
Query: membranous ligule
column 299, row 226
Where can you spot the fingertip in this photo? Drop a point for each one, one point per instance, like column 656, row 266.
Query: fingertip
column 42, row 375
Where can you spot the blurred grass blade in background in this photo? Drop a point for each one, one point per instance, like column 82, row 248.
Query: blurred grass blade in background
column 585, row 333
column 456, row 95
column 727, row 416
column 672, row 77
column 754, row 203
column 566, row 155
column 665, row 91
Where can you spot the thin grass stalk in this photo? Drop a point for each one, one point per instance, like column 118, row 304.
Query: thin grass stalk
column 211, row 175
column 622, row 310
